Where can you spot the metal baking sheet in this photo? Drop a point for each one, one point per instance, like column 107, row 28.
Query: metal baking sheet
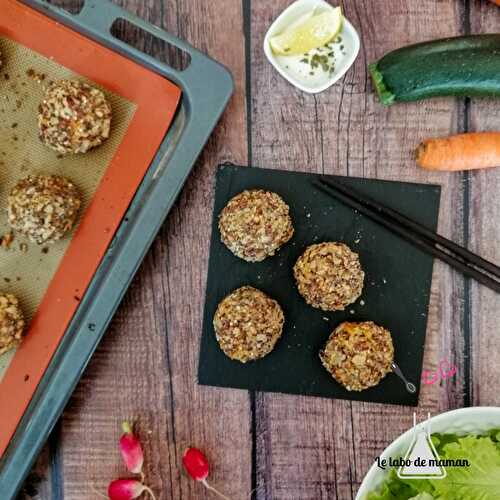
column 203, row 100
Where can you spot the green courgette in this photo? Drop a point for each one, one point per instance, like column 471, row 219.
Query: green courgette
column 465, row 66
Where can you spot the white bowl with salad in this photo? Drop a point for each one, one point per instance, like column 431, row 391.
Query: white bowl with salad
column 469, row 433
column 311, row 44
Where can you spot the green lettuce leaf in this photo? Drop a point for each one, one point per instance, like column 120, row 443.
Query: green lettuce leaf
column 494, row 434
column 441, row 440
column 480, row 481
column 395, row 488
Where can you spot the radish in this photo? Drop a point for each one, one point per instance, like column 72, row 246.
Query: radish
column 131, row 449
column 197, row 466
column 127, row 489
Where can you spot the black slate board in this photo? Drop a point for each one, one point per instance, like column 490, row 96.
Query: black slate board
column 396, row 292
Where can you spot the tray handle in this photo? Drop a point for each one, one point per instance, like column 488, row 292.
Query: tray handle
column 101, row 15
column 96, row 19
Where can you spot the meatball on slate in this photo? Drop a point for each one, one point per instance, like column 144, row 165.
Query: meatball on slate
column 248, row 324
column 255, row 224
column 358, row 355
column 329, row 276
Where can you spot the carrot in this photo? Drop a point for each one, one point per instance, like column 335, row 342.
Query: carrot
column 460, row 152
column 496, row 1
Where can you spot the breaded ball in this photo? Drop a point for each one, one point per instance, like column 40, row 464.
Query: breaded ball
column 11, row 322
column 254, row 224
column 358, row 355
column 329, row 276
column 248, row 324
column 43, row 207
column 73, row 117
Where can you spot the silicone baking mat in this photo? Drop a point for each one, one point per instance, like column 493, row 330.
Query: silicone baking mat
column 396, row 292
column 50, row 280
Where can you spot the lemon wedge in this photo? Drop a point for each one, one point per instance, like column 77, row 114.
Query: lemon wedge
column 311, row 33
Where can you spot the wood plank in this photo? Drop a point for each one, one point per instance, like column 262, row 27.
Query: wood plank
column 310, row 448
column 141, row 372
column 484, row 235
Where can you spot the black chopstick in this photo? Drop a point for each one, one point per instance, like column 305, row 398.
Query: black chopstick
column 468, row 263
column 410, row 224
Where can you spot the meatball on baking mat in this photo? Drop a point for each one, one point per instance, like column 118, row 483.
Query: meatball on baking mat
column 394, row 292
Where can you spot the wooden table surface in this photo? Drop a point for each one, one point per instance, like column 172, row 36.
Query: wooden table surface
column 282, row 447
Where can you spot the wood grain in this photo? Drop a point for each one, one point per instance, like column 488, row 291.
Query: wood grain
column 288, row 447
column 311, row 448
column 484, row 237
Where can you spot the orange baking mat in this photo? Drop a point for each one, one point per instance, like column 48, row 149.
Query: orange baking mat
column 154, row 101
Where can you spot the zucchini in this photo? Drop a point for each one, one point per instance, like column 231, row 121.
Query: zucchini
column 464, row 66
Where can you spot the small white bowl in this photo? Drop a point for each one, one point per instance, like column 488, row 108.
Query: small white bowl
column 466, row 420
column 289, row 66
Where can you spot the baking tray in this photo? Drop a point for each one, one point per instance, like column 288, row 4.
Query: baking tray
column 203, row 100
column 50, row 280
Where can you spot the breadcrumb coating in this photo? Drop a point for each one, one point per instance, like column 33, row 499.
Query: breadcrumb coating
column 358, row 355
column 255, row 224
column 43, row 207
column 329, row 276
column 248, row 324
column 73, row 117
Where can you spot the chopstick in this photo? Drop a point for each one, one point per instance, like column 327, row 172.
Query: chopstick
column 460, row 258
column 414, row 226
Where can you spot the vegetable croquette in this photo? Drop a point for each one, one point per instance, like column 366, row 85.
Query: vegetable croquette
column 329, row 276
column 248, row 324
column 255, row 224
column 73, row 117
column 43, row 207
column 358, row 355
